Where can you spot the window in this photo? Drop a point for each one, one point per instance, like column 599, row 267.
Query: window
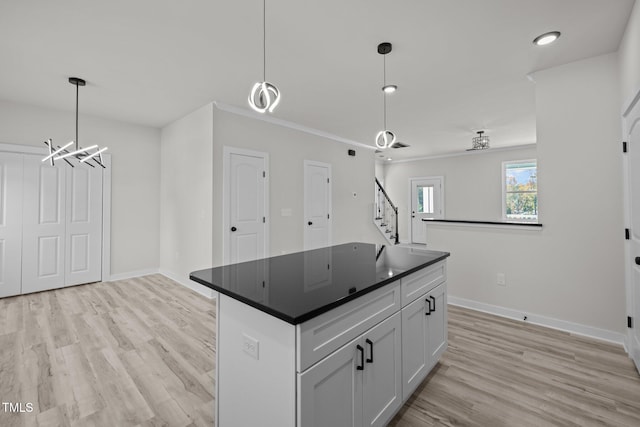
column 520, row 190
column 425, row 199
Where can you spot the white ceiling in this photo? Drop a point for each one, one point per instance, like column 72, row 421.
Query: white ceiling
column 460, row 65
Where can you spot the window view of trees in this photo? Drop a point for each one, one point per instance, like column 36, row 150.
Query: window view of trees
column 521, row 190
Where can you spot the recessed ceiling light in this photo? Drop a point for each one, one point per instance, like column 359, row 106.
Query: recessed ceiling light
column 389, row 159
column 546, row 38
column 389, row 88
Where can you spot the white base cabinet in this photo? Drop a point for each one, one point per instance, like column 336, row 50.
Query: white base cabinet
column 358, row 385
column 352, row 366
column 424, row 337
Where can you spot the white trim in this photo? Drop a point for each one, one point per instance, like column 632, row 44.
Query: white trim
column 536, row 319
column 465, row 153
column 106, row 218
column 226, row 194
column 631, row 103
column 291, row 125
column 132, row 274
column 196, row 287
column 410, row 198
column 307, row 163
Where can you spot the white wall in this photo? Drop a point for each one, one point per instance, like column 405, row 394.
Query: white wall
column 288, row 148
column 629, row 54
column 186, row 165
column 135, row 174
column 570, row 274
column 472, row 184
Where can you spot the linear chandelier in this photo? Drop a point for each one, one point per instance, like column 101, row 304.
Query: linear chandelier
column 385, row 138
column 264, row 96
column 82, row 155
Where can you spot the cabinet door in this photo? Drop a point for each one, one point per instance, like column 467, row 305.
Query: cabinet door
column 437, row 324
column 382, row 378
column 415, row 354
column 330, row 393
column 44, row 224
column 10, row 223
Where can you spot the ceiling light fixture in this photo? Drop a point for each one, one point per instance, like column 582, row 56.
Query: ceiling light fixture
column 385, row 138
column 480, row 142
column 80, row 154
column 389, row 88
column 546, row 38
column 264, row 96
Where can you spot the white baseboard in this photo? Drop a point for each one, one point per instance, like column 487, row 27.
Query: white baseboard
column 130, row 274
column 536, row 319
column 201, row 289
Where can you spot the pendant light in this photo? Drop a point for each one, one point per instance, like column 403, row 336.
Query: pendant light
column 385, row 138
column 480, row 142
column 82, row 155
column 264, row 96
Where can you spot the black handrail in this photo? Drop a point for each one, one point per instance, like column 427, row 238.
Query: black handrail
column 395, row 210
column 386, row 196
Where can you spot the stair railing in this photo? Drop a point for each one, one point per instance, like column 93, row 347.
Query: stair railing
column 387, row 212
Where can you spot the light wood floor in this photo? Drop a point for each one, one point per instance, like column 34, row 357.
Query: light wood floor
column 133, row 352
column 142, row 352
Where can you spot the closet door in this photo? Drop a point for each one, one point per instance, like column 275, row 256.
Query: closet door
column 83, row 261
column 44, row 223
column 10, row 223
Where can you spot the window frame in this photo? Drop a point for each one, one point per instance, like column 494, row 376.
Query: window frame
column 504, row 191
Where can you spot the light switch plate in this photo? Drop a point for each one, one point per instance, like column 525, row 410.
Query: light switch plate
column 250, row 346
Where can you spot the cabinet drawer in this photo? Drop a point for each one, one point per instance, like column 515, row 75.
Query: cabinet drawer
column 322, row 335
column 422, row 281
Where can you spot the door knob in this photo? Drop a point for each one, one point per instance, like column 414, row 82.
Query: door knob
column 310, row 223
column 233, row 229
column 638, row 260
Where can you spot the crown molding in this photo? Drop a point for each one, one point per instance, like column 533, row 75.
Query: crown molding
column 286, row 123
column 465, row 153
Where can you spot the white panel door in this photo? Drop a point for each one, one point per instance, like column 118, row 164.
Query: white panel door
column 330, row 393
column 426, row 202
column 317, row 205
column 633, row 165
column 44, row 224
column 83, row 260
column 246, row 203
column 382, row 378
column 10, row 223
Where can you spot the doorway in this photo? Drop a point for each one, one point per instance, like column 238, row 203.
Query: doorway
column 245, row 201
column 426, row 202
column 317, row 205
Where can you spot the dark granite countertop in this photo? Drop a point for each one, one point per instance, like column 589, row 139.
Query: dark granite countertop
column 300, row 286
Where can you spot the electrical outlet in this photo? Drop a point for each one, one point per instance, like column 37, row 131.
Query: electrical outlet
column 250, row 346
column 501, row 280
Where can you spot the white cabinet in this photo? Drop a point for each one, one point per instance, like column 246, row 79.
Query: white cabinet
column 357, row 385
column 424, row 336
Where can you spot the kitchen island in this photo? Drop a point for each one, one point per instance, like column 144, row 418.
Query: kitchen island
column 337, row 336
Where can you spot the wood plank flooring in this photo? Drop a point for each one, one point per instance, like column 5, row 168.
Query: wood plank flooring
column 501, row 372
column 133, row 352
column 141, row 352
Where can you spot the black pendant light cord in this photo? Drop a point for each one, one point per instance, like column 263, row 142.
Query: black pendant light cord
column 77, row 92
column 384, row 83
